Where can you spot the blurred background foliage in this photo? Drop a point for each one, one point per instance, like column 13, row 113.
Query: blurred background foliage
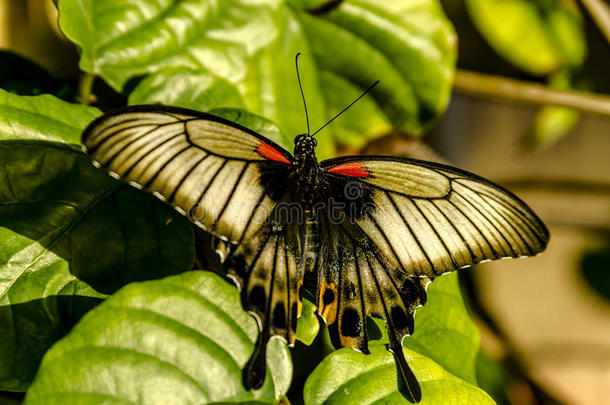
column 514, row 90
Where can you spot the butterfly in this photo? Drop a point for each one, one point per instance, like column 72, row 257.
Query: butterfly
column 368, row 233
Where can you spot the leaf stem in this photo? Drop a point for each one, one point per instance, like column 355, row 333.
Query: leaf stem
column 600, row 12
column 485, row 85
column 85, row 87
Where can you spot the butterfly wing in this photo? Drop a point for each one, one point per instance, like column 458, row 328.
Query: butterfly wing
column 405, row 222
column 429, row 219
column 228, row 180
column 267, row 267
column 216, row 172
column 356, row 281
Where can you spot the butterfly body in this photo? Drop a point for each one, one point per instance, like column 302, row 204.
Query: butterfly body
column 369, row 233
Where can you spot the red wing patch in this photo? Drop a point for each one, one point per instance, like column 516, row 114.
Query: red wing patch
column 269, row 152
column 352, row 169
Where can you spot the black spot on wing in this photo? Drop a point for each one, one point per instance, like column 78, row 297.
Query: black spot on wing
column 257, row 298
column 400, row 320
column 328, row 297
column 279, row 316
column 351, row 324
column 412, row 292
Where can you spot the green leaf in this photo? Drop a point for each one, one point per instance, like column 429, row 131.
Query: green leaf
column 308, row 324
column 69, row 233
column 445, row 346
column 122, row 39
column 251, row 45
column 494, row 378
column 358, row 125
column 349, row 377
column 180, row 340
column 42, row 117
column 536, row 36
column 197, row 90
column 552, row 123
column 408, row 46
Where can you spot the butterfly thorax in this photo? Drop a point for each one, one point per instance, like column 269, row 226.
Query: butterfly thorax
column 308, row 178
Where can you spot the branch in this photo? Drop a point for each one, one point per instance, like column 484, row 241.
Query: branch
column 85, row 87
column 601, row 15
column 481, row 84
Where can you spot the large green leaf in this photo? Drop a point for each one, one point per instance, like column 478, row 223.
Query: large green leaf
column 268, row 87
column 536, row 36
column 409, row 46
column 442, row 353
column 42, row 117
column 349, row 377
column 180, row 340
column 195, row 89
column 358, row 125
column 121, row 39
column 68, row 232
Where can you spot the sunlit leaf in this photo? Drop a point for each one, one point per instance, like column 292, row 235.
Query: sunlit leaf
column 181, row 87
column 358, row 125
column 536, row 36
column 409, row 46
column 180, row 340
column 551, row 124
column 42, row 117
column 122, row 39
column 349, row 377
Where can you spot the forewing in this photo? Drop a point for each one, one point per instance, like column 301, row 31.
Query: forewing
column 428, row 219
column 212, row 170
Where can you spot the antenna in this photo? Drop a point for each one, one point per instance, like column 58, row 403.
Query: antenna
column 296, row 62
column 345, row 109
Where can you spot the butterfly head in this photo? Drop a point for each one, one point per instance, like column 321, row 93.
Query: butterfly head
column 304, row 145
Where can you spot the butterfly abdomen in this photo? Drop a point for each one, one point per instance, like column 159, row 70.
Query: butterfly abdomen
column 311, row 247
